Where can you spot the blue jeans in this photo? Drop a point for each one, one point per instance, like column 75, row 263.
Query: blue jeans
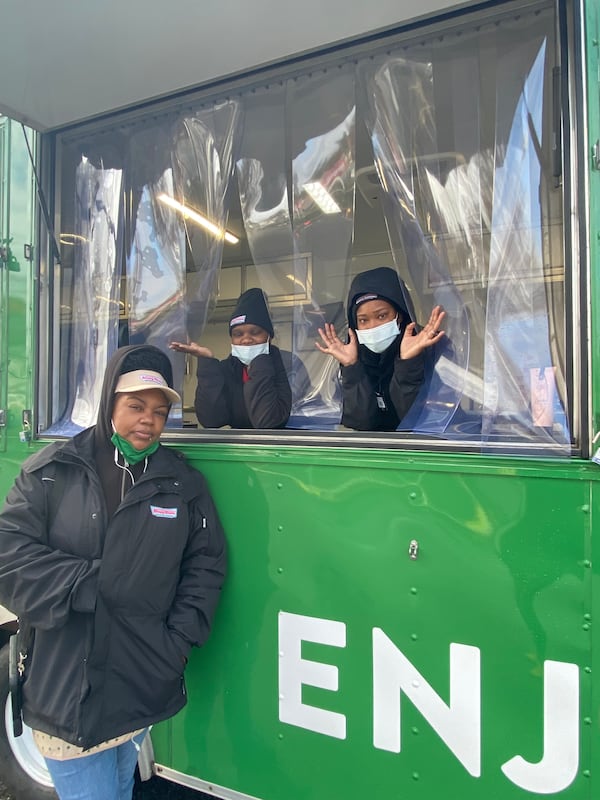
column 107, row 775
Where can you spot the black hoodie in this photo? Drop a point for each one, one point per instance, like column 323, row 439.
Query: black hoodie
column 126, row 359
column 380, row 388
column 115, row 600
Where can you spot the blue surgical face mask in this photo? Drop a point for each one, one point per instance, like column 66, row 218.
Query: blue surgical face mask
column 380, row 338
column 248, row 352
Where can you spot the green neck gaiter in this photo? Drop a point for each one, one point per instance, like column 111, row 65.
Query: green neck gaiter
column 128, row 451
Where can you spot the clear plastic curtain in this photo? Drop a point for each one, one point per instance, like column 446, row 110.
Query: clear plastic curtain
column 156, row 273
column 166, row 303
column 471, row 208
column 95, row 305
column 400, row 100
column 263, row 172
column 521, row 398
column 297, row 202
column 321, row 125
column 203, row 163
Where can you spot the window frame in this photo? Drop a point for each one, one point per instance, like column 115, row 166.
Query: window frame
column 574, row 237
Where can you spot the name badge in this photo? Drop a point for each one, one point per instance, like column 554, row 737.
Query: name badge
column 165, row 513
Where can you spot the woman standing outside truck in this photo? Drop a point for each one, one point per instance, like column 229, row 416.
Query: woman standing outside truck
column 113, row 556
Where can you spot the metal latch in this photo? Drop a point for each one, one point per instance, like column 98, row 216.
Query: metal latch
column 413, row 549
column 596, row 155
column 2, row 418
column 25, row 432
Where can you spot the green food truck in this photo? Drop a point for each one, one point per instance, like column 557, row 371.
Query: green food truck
column 408, row 612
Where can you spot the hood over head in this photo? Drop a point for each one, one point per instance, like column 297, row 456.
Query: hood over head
column 252, row 309
column 379, row 282
column 129, row 359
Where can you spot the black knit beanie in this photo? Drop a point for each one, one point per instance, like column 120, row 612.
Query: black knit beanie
column 251, row 309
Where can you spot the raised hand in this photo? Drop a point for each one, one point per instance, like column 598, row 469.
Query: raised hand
column 346, row 354
column 192, row 348
column 414, row 343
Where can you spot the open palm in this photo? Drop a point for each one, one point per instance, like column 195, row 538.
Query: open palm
column 192, row 348
column 414, row 343
column 332, row 345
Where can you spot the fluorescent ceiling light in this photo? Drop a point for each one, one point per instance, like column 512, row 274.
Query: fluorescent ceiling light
column 189, row 213
column 322, row 198
column 71, row 238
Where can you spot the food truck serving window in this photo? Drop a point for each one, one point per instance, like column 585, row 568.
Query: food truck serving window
column 432, row 154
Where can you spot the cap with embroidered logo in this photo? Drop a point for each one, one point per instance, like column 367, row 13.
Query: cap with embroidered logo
column 142, row 379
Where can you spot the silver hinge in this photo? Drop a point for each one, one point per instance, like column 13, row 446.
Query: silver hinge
column 2, row 418
column 596, row 155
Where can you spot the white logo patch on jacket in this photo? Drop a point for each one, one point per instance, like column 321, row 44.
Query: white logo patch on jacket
column 166, row 513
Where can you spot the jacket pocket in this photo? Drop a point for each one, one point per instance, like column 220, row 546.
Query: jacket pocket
column 147, row 644
column 144, row 673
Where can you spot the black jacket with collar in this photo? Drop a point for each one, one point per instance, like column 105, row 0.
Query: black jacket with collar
column 380, row 388
column 263, row 401
column 114, row 604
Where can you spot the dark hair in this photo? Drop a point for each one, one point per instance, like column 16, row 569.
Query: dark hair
column 146, row 358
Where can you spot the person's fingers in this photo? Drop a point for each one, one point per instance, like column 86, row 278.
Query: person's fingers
column 434, row 337
column 332, row 336
column 437, row 318
column 325, row 337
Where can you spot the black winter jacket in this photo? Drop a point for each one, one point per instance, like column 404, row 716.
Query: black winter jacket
column 222, row 397
column 114, row 606
column 380, row 378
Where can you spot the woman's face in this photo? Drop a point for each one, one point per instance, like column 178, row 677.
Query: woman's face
column 248, row 334
column 140, row 417
column 374, row 313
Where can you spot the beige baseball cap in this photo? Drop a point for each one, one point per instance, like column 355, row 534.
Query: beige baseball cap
column 141, row 379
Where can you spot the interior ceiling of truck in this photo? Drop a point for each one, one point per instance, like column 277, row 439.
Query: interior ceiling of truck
column 63, row 62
